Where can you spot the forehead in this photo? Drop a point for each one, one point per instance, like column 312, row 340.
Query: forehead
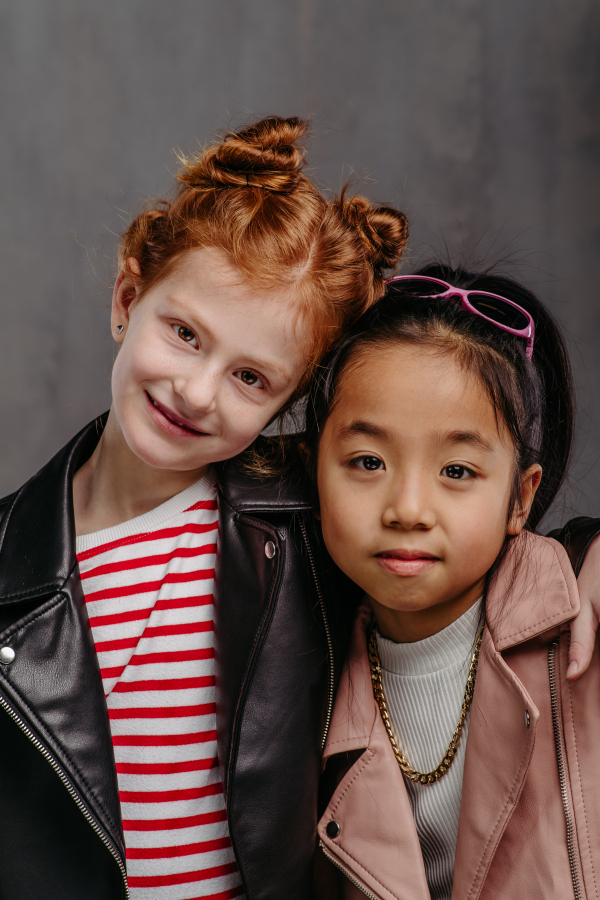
column 206, row 272
column 413, row 390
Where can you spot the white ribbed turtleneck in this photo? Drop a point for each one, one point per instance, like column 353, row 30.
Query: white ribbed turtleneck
column 424, row 684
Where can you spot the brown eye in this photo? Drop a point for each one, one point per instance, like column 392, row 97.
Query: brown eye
column 185, row 334
column 250, row 379
column 458, row 473
column 368, row 463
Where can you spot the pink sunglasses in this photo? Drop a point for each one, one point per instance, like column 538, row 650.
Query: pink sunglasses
column 492, row 307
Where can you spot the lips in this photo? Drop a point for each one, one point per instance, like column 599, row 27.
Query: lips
column 407, row 562
column 170, row 421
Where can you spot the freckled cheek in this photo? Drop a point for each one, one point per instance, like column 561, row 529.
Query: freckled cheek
column 140, row 360
column 241, row 422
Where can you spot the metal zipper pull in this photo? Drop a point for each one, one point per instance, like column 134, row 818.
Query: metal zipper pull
column 562, row 775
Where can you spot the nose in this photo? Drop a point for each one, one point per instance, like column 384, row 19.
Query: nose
column 199, row 392
column 408, row 505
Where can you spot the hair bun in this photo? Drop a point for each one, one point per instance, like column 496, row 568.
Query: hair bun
column 383, row 229
column 267, row 154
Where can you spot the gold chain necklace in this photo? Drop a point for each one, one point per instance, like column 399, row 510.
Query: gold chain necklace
column 407, row 769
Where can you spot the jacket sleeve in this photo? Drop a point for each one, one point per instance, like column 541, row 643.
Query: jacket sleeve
column 576, row 537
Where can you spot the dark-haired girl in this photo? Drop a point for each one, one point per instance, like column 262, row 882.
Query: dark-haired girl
column 459, row 761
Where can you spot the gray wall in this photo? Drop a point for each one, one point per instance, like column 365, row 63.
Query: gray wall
column 479, row 118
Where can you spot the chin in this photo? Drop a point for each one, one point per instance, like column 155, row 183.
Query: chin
column 408, row 601
column 159, row 455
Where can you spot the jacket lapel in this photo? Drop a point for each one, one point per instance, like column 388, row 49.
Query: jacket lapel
column 54, row 684
column 499, row 748
column 377, row 840
column 534, row 592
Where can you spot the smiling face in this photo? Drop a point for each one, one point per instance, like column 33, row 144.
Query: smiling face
column 414, row 483
column 206, row 361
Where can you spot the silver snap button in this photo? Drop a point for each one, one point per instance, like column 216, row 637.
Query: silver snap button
column 7, row 654
column 269, row 549
column 527, row 719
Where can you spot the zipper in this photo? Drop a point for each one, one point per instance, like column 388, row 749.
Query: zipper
column 562, row 775
column 327, row 631
column 72, row 792
column 348, row 874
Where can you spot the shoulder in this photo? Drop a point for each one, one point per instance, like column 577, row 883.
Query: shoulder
column 533, row 591
column 576, row 537
column 5, row 505
column 244, row 491
column 37, row 529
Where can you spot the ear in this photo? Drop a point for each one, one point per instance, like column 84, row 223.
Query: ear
column 530, row 481
column 125, row 292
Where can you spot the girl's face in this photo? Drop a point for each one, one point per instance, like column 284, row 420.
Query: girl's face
column 414, row 482
column 206, row 361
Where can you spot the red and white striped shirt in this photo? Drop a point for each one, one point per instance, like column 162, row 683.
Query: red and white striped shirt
column 148, row 586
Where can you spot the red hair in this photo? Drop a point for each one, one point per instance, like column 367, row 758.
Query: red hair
column 248, row 197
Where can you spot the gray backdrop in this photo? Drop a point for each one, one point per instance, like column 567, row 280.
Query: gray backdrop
column 478, row 117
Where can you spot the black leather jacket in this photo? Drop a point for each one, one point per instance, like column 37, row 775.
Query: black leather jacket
column 60, row 827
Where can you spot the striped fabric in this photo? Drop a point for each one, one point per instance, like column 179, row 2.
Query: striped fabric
column 424, row 684
column 148, row 586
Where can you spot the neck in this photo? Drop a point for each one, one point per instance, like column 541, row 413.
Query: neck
column 405, row 627
column 115, row 485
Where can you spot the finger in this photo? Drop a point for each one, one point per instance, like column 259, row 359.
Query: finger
column 583, row 638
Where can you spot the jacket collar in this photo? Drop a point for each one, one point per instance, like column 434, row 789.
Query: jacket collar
column 534, row 591
column 37, row 536
column 247, row 493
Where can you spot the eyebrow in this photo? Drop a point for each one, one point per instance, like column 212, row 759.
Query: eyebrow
column 369, row 429
column 366, row 428
column 270, row 369
column 467, row 437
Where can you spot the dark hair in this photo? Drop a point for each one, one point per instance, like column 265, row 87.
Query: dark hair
column 533, row 398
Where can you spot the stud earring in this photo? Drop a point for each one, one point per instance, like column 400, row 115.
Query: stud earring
column 119, row 329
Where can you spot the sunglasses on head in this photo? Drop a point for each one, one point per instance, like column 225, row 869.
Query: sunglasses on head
column 492, row 307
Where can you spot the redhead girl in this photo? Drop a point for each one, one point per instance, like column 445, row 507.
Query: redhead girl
column 460, row 762
column 110, row 785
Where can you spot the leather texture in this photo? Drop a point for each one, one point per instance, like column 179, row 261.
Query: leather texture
column 48, row 851
column 512, row 839
column 273, row 691
column 576, row 537
column 273, row 671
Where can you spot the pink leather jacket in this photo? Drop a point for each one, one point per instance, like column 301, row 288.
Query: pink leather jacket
column 529, row 823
